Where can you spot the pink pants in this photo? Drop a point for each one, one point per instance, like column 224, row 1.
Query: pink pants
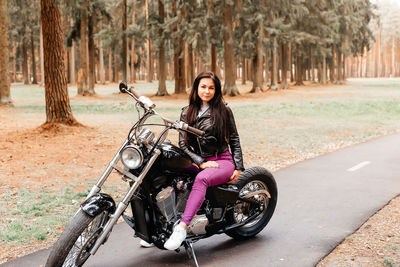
column 206, row 178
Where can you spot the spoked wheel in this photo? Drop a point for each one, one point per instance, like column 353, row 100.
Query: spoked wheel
column 258, row 186
column 74, row 245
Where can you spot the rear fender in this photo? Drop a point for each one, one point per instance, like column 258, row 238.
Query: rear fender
column 97, row 204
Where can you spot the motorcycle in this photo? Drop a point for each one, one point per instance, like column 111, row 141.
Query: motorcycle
column 160, row 176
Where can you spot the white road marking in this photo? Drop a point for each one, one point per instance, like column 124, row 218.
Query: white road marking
column 359, row 166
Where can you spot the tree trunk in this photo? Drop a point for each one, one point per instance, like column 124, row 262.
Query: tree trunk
column 148, row 48
column 229, row 55
column 162, row 87
column 243, row 70
column 299, row 67
column 110, row 68
column 393, row 66
column 332, row 75
column 258, row 65
column 319, row 71
column 101, row 63
column 72, row 64
column 179, row 68
column 116, row 68
column 284, row 83
column 266, row 67
column 5, row 98
column 186, row 55
column 128, row 66
column 179, row 59
column 344, row 68
column 377, row 55
column 91, row 47
column 124, row 55
column 25, row 59
column 291, row 63
column 213, row 58
column 368, row 64
column 190, row 68
column 324, row 70
column 133, row 51
column 34, row 80
column 14, row 76
column 41, row 56
column 246, row 69
column 274, row 66
column 257, row 86
column 133, row 60
column 58, row 109
column 83, row 88
column 398, row 58
column 339, row 67
column 312, row 66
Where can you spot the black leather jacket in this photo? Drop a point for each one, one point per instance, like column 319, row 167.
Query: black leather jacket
column 201, row 148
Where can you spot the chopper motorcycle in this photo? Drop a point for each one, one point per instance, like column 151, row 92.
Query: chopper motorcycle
column 160, row 176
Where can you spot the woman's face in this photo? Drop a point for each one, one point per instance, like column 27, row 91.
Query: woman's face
column 206, row 90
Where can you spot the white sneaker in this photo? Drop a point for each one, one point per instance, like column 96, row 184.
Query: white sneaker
column 145, row 244
column 176, row 239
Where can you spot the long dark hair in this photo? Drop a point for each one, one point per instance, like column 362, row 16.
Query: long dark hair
column 219, row 111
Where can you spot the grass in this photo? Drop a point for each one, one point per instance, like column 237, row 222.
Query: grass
column 306, row 126
column 389, row 262
column 35, row 213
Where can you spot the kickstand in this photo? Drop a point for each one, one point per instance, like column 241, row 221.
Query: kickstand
column 190, row 251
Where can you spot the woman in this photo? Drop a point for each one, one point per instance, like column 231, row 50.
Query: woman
column 208, row 112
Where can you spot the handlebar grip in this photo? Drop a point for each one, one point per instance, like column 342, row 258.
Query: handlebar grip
column 136, row 94
column 195, row 131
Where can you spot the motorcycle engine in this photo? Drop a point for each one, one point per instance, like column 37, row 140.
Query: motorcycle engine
column 170, row 204
column 166, row 202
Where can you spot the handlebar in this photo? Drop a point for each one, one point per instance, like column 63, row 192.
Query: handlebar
column 142, row 100
column 184, row 126
column 194, row 130
column 147, row 103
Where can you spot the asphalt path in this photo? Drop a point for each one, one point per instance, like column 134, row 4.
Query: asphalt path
column 320, row 202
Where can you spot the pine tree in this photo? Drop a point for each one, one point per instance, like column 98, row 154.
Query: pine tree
column 4, row 56
column 230, row 87
column 58, row 109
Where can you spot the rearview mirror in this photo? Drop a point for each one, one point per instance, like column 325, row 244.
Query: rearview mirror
column 123, row 87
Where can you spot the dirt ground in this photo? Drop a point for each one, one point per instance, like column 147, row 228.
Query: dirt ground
column 33, row 157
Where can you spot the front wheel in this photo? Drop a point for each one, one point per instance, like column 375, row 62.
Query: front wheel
column 258, row 185
column 73, row 246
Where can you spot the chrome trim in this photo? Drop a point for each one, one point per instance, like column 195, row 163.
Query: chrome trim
column 134, row 148
column 125, row 173
column 108, row 170
column 124, row 203
column 252, row 194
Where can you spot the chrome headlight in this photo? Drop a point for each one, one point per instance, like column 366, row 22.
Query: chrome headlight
column 131, row 157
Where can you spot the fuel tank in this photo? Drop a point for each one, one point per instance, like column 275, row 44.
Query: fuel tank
column 175, row 160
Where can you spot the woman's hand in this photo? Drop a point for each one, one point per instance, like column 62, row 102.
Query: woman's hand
column 235, row 176
column 208, row 164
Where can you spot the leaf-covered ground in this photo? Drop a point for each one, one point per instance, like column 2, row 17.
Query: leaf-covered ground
column 45, row 174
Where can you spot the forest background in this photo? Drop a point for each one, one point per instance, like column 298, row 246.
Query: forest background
column 109, row 41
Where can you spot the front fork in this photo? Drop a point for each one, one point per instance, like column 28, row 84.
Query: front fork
column 97, row 187
column 125, row 201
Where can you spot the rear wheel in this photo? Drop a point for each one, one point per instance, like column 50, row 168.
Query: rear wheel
column 73, row 246
column 258, row 185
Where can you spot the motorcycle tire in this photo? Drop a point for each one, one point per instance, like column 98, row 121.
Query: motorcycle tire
column 73, row 246
column 251, row 180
